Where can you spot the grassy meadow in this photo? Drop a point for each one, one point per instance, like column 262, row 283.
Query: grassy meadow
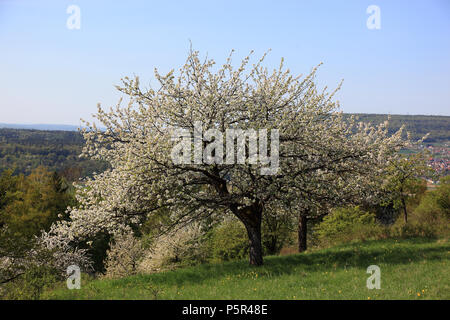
column 410, row 269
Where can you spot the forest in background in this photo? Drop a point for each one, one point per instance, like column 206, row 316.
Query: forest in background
column 23, row 150
column 26, row 149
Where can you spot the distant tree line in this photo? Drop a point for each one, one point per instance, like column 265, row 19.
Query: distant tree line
column 23, row 150
column 417, row 125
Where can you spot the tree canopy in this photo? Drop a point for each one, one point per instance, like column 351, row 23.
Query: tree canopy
column 317, row 154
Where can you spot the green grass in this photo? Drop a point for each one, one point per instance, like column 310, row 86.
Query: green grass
column 410, row 269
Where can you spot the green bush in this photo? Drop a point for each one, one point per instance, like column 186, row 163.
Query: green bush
column 412, row 230
column 430, row 218
column 348, row 224
column 31, row 283
column 229, row 241
column 441, row 196
column 277, row 232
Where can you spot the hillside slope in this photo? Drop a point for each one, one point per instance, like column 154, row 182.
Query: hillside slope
column 410, row 269
column 417, row 125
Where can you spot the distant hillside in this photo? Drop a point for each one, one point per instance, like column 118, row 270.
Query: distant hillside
column 61, row 127
column 417, row 125
column 25, row 149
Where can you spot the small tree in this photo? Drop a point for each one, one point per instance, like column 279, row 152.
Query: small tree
column 405, row 180
column 315, row 146
column 277, row 227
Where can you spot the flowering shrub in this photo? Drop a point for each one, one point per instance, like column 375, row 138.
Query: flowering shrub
column 124, row 256
column 29, row 265
column 177, row 248
column 62, row 252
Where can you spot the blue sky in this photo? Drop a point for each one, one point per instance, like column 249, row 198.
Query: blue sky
column 50, row 74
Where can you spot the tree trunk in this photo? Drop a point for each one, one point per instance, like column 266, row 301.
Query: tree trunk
column 251, row 217
column 254, row 237
column 302, row 231
column 405, row 213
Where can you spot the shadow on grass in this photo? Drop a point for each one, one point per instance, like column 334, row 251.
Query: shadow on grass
column 358, row 255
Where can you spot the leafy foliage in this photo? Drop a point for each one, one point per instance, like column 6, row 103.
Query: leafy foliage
column 29, row 205
column 229, row 241
column 404, row 181
column 276, row 231
column 347, row 224
column 431, row 218
column 31, row 283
